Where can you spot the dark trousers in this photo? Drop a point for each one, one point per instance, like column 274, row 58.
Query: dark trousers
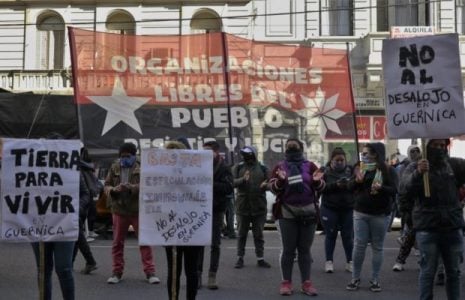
column 334, row 221
column 215, row 246
column 243, row 225
column 83, row 246
column 407, row 243
column 191, row 256
column 91, row 215
column 229, row 214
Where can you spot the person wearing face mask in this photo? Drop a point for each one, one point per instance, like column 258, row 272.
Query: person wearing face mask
column 250, row 180
column 337, row 205
column 295, row 182
column 437, row 219
column 122, row 189
column 374, row 186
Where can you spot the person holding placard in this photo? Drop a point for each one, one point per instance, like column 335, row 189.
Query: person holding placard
column 222, row 187
column 374, row 187
column 122, row 189
column 190, row 254
column 296, row 181
column 437, row 219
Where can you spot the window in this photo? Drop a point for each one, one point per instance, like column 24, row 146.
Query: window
column 460, row 19
column 401, row 13
column 50, row 41
column 337, row 18
column 120, row 22
column 205, row 21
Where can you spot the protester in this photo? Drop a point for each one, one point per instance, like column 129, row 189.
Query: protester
column 90, row 181
column 374, row 187
column 405, row 208
column 190, row 254
column 337, row 208
column 58, row 254
column 122, row 189
column 437, row 219
column 295, row 182
column 250, row 181
column 222, row 187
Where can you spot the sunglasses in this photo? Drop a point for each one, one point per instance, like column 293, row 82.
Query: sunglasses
column 415, row 150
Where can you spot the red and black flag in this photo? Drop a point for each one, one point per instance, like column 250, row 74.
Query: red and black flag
column 149, row 89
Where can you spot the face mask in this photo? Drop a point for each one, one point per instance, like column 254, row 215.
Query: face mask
column 436, row 154
column 366, row 160
column 248, row 157
column 292, row 149
column 338, row 166
column 128, row 162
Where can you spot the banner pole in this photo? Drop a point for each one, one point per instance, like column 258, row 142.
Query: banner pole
column 41, row 270
column 352, row 102
column 174, row 255
column 226, row 81
column 74, row 66
column 426, row 174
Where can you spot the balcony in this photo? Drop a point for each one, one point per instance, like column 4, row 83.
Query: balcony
column 37, row 81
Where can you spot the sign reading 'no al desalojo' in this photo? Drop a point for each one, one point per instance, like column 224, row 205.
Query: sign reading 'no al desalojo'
column 424, row 96
column 176, row 196
column 40, row 190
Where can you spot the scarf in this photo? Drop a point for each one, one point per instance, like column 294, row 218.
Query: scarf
column 378, row 175
column 294, row 161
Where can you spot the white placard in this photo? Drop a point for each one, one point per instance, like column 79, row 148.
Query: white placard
column 40, row 190
column 424, row 96
column 176, row 197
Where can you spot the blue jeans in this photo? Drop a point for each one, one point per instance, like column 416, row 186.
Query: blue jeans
column 62, row 254
column 369, row 229
column 334, row 221
column 449, row 246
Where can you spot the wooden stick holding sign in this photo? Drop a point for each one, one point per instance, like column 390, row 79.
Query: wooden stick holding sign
column 42, row 270
column 426, row 174
column 174, row 272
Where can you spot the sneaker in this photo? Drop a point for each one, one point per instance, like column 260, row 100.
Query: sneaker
column 329, row 267
column 263, row 264
column 90, row 239
column 89, row 268
column 398, row 267
column 92, row 234
column 286, row 288
column 353, row 285
column 374, row 286
column 308, row 289
column 152, row 279
column 239, row 263
column 440, row 279
column 114, row 279
column 349, row 266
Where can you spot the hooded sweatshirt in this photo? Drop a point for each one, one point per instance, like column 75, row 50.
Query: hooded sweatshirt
column 250, row 198
column 379, row 203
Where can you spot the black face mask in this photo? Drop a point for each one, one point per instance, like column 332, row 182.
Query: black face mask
column 292, row 149
column 248, row 157
column 436, row 155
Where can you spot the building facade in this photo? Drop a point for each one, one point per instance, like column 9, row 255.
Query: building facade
column 35, row 55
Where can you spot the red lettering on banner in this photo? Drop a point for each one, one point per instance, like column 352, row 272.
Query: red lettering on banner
column 379, row 128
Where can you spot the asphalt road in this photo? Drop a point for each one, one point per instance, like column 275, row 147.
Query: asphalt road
column 18, row 274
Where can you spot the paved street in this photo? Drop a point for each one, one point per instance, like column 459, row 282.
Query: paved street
column 17, row 275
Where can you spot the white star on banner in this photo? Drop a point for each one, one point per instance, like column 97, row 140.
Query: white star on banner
column 120, row 107
column 321, row 113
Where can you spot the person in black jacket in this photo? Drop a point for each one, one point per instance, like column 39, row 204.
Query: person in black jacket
column 437, row 219
column 222, row 187
column 337, row 208
column 374, row 188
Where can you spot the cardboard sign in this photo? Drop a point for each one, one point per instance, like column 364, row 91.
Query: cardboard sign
column 40, row 190
column 424, row 96
column 176, row 197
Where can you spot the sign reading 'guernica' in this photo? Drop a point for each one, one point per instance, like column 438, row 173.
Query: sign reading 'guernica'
column 424, row 96
column 40, row 190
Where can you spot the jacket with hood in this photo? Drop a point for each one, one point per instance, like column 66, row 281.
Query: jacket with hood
column 250, row 198
column 442, row 210
column 381, row 202
column 405, row 205
column 222, row 185
column 337, row 197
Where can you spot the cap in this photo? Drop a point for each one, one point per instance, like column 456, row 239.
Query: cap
column 246, row 150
